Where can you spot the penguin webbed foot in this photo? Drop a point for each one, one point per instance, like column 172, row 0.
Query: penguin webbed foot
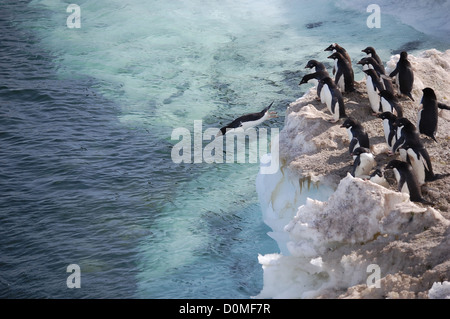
column 273, row 115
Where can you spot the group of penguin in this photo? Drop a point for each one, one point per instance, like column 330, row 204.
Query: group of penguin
column 414, row 168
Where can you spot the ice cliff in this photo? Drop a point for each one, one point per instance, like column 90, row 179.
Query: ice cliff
column 343, row 237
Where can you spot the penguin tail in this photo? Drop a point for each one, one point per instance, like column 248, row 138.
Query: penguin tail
column 410, row 96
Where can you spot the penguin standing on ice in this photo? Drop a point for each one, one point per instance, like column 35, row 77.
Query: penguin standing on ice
column 374, row 87
column 390, row 129
column 356, row 133
column 414, row 152
column 407, row 181
column 345, row 76
column 319, row 74
column 363, row 163
column 333, row 99
column 247, row 121
column 334, row 47
column 406, row 132
column 404, row 74
column 371, row 53
column 428, row 113
column 389, row 103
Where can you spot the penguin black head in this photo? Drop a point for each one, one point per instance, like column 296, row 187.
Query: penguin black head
column 377, row 172
column 311, row 64
column 363, row 61
column 404, row 122
column 369, row 50
column 429, row 93
column 404, row 55
column 396, row 164
column 359, row 150
column 332, row 47
column 387, row 116
column 349, row 122
column 334, row 56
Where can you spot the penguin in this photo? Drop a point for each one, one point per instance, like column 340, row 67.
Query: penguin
column 418, row 157
column 428, row 113
column 414, row 152
column 377, row 177
column 404, row 75
column 315, row 78
column 333, row 99
column 389, row 103
column 345, row 76
column 334, row 47
column 407, row 181
column 390, row 129
column 406, row 132
column 371, row 53
column 247, row 121
column 356, row 133
column 363, row 163
column 374, row 87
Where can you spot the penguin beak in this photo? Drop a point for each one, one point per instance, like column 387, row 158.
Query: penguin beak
column 330, row 57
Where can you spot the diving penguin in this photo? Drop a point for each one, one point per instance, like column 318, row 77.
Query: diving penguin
column 247, row 121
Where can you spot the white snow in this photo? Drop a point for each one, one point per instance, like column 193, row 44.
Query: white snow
column 440, row 290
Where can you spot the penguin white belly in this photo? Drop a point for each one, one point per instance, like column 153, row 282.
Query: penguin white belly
column 386, row 107
column 341, row 83
column 327, row 96
column 374, row 98
column 366, row 165
column 247, row 125
column 387, row 131
column 417, row 166
column 380, row 181
column 335, row 111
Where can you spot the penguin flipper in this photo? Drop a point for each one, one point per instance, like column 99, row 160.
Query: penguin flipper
column 443, row 106
column 353, row 143
column 394, row 73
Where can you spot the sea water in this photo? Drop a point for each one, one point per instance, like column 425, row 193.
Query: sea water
column 87, row 115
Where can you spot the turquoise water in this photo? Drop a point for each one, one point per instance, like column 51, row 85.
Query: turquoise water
column 86, row 116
